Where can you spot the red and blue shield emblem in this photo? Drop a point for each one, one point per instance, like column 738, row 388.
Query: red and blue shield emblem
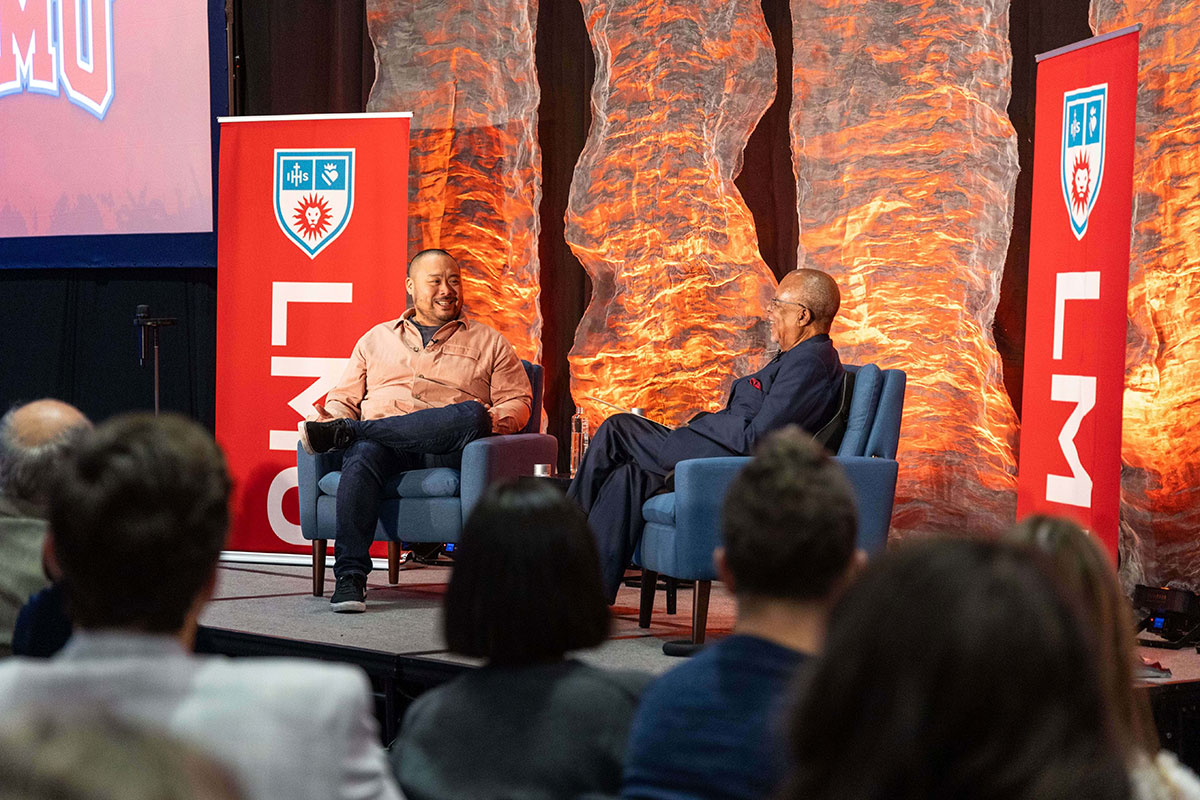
column 1085, row 117
column 314, row 195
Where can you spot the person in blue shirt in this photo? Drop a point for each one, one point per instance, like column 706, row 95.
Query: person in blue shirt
column 715, row 727
column 630, row 457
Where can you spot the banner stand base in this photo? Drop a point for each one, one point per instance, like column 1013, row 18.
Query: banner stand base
column 281, row 559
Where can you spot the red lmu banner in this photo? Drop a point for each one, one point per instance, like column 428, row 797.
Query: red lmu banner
column 311, row 252
column 1078, row 283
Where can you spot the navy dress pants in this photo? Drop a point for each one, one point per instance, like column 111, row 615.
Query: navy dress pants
column 382, row 448
column 625, row 465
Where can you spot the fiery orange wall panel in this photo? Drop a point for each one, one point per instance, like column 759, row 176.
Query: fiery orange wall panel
column 678, row 285
column 907, row 163
column 1161, row 448
column 465, row 68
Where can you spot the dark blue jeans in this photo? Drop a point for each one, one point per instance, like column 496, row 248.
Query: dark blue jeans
column 431, row 437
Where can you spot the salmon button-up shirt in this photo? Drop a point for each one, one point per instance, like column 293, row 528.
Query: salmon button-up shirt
column 391, row 372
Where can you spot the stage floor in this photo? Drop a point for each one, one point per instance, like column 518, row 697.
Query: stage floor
column 269, row 610
column 404, row 621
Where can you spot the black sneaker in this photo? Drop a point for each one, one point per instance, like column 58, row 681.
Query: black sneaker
column 321, row 437
column 350, row 595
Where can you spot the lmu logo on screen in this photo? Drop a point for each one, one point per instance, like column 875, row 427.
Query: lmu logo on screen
column 314, row 195
column 48, row 43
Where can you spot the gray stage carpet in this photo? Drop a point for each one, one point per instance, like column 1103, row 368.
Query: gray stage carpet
column 405, row 619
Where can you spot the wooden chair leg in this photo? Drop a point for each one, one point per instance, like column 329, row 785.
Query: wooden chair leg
column 646, row 607
column 672, row 594
column 393, row 563
column 318, row 567
column 700, row 610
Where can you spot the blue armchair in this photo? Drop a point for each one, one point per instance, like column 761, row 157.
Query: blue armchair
column 683, row 527
column 426, row 505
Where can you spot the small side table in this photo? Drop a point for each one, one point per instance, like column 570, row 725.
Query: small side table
column 560, row 482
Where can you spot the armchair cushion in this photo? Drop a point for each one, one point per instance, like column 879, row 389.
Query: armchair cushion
column 434, row 482
column 660, row 508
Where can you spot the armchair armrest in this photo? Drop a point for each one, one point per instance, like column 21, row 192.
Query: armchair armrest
column 310, row 470
column 494, row 458
column 874, row 484
column 700, row 487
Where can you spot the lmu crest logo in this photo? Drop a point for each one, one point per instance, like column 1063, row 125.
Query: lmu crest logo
column 314, row 195
column 1085, row 116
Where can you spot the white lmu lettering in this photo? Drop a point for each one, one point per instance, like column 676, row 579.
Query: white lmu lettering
column 1074, row 489
column 1071, row 286
column 324, row 370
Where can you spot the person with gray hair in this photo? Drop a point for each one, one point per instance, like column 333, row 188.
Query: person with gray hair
column 34, row 440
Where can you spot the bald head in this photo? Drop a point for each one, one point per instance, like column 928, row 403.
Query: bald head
column 34, row 438
column 434, row 253
column 817, row 291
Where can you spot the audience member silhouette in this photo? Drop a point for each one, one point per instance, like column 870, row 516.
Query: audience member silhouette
column 715, row 726
column 530, row 723
column 956, row 669
column 1085, row 570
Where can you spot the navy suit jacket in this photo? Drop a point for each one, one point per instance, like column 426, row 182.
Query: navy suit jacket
column 800, row 386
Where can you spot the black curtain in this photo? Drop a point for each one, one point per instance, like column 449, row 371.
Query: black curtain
column 300, row 56
column 1034, row 27
column 768, row 179
column 70, row 335
column 566, row 70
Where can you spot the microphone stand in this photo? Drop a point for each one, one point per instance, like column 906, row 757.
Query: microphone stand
column 148, row 329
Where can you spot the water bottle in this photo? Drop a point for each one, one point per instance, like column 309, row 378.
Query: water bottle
column 579, row 438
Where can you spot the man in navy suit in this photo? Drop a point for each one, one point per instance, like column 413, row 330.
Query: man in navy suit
column 630, row 456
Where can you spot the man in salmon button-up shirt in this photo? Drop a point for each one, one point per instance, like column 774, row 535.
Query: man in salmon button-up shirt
column 416, row 391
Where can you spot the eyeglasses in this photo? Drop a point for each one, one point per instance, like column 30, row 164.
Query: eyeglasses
column 776, row 303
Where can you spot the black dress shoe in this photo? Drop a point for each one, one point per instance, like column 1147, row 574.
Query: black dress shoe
column 321, row 437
